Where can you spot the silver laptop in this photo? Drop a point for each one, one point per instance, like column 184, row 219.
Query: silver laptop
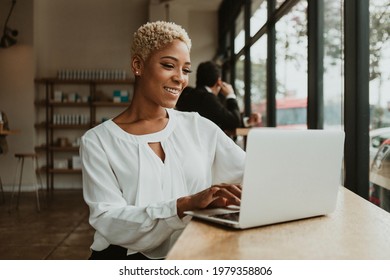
column 289, row 175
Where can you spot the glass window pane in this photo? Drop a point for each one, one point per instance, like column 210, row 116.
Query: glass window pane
column 259, row 78
column 379, row 102
column 379, row 63
column 291, row 68
column 333, row 64
column 239, row 84
column 239, row 39
column 259, row 16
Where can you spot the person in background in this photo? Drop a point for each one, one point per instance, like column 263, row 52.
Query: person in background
column 147, row 166
column 214, row 99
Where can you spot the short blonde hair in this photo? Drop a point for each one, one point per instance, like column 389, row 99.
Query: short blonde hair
column 156, row 35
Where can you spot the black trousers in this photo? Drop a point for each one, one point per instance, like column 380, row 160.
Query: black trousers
column 114, row 252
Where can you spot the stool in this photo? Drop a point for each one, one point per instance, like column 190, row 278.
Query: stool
column 20, row 165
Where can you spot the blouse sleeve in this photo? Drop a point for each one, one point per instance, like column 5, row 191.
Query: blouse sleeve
column 136, row 228
column 229, row 160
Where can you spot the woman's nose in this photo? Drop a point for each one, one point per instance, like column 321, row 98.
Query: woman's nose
column 180, row 77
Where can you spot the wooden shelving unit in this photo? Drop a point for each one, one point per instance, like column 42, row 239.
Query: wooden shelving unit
column 51, row 126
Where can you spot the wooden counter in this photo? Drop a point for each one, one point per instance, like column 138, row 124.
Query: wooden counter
column 356, row 230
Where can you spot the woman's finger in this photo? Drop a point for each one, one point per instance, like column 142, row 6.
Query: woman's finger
column 234, row 189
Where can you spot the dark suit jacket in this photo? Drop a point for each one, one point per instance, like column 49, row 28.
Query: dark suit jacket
column 227, row 116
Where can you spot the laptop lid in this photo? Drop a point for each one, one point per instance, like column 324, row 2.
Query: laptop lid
column 289, row 175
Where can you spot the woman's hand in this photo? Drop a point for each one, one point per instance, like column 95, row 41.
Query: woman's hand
column 215, row 196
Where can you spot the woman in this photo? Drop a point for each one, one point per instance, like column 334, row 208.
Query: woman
column 145, row 167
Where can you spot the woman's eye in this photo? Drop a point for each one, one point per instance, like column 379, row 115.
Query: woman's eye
column 170, row 66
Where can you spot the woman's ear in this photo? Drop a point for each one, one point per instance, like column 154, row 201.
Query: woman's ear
column 136, row 65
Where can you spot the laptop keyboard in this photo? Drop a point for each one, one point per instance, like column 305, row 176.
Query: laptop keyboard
column 228, row 216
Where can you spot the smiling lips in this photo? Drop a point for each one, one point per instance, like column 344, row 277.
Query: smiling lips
column 173, row 90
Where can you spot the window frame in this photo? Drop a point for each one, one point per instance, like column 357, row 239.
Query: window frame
column 356, row 74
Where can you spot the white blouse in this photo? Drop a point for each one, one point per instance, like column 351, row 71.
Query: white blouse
column 132, row 193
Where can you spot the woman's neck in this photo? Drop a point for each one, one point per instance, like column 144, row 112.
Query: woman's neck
column 142, row 117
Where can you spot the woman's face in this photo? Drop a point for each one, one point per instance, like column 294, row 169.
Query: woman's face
column 164, row 74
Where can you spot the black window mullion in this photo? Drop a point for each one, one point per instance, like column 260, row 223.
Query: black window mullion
column 356, row 104
column 247, row 65
column 271, row 69
column 315, row 109
column 232, row 55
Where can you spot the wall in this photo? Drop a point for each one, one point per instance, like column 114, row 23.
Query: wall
column 58, row 34
column 204, row 43
column 199, row 18
column 85, row 34
column 17, row 86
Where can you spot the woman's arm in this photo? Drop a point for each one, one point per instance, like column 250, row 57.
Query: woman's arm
column 136, row 228
column 227, row 173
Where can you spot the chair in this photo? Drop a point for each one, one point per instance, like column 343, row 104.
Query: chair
column 20, row 167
